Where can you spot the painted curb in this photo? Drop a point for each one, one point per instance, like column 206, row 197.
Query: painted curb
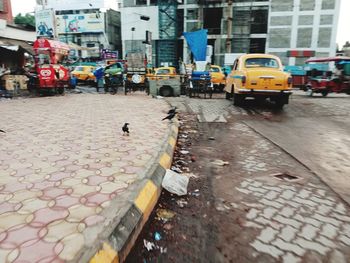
column 124, row 235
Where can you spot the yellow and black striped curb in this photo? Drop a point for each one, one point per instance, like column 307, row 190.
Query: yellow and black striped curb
column 124, row 235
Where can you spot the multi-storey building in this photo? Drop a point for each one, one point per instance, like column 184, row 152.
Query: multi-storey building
column 234, row 26
column 88, row 25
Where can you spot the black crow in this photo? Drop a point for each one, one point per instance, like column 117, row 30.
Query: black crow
column 125, row 128
column 2, row 131
column 170, row 116
column 172, row 110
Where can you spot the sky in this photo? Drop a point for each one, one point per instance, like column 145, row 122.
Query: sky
column 26, row 6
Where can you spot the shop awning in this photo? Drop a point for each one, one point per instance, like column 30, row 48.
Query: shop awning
column 15, row 45
column 55, row 46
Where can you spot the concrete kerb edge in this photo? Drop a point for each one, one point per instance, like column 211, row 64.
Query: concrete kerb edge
column 123, row 237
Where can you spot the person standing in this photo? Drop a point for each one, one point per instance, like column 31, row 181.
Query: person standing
column 99, row 74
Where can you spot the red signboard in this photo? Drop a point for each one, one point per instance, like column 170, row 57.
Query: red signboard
column 301, row 53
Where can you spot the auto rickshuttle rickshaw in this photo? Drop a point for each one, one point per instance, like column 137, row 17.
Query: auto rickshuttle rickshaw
column 336, row 81
column 49, row 56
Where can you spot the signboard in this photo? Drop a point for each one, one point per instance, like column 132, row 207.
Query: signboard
column 80, row 23
column 44, row 23
column 108, row 54
column 149, row 54
column 301, row 53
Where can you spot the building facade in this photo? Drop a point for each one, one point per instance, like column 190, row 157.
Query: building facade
column 6, row 11
column 234, row 26
column 88, row 27
column 303, row 25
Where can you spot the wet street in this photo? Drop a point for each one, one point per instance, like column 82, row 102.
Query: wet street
column 279, row 192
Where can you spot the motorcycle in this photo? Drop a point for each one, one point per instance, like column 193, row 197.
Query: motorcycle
column 113, row 82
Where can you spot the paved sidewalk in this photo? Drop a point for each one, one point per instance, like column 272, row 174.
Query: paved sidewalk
column 67, row 171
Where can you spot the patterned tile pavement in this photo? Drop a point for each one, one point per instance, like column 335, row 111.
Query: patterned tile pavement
column 296, row 221
column 63, row 161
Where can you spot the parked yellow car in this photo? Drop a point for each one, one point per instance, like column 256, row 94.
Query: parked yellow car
column 260, row 76
column 217, row 77
column 84, row 73
column 163, row 73
column 150, row 73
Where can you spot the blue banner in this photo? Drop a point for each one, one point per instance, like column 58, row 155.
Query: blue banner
column 197, row 41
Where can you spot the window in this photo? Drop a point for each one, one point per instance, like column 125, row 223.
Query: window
column 261, row 62
column 304, row 37
column 213, row 25
column 141, row 2
column 214, row 69
column 324, row 37
column 279, row 37
column 2, row 6
column 192, row 14
column 281, row 20
column 257, row 45
column 163, row 71
column 306, row 20
column 116, row 66
column 259, row 20
column 307, row 5
column 326, row 20
column 328, row 4
column 282, row 5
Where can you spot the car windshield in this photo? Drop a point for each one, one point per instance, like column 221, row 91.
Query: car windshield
column 261, row 62
column 79, row 69
column 163, row 71
column 214, row 70
column 114, row 66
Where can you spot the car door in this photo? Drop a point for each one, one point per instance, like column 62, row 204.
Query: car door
column 236, row 74
column 229, row 80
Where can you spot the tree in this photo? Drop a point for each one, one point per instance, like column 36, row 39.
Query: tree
column 26, row 20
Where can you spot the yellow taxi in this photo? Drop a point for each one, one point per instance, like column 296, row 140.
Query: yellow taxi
column 150, row 73
column 84, row 73
column 259, row 76
column 163, row 73
column 217, row 77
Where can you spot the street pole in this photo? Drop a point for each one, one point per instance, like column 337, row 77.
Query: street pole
column 132, row 38
column 229, row 28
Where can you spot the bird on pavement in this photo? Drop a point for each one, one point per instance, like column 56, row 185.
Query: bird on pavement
column 2, row 131
column 172, row 110
column 170, row 116
column 125, row 129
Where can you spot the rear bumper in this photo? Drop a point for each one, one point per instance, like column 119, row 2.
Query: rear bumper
column 253, row 92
